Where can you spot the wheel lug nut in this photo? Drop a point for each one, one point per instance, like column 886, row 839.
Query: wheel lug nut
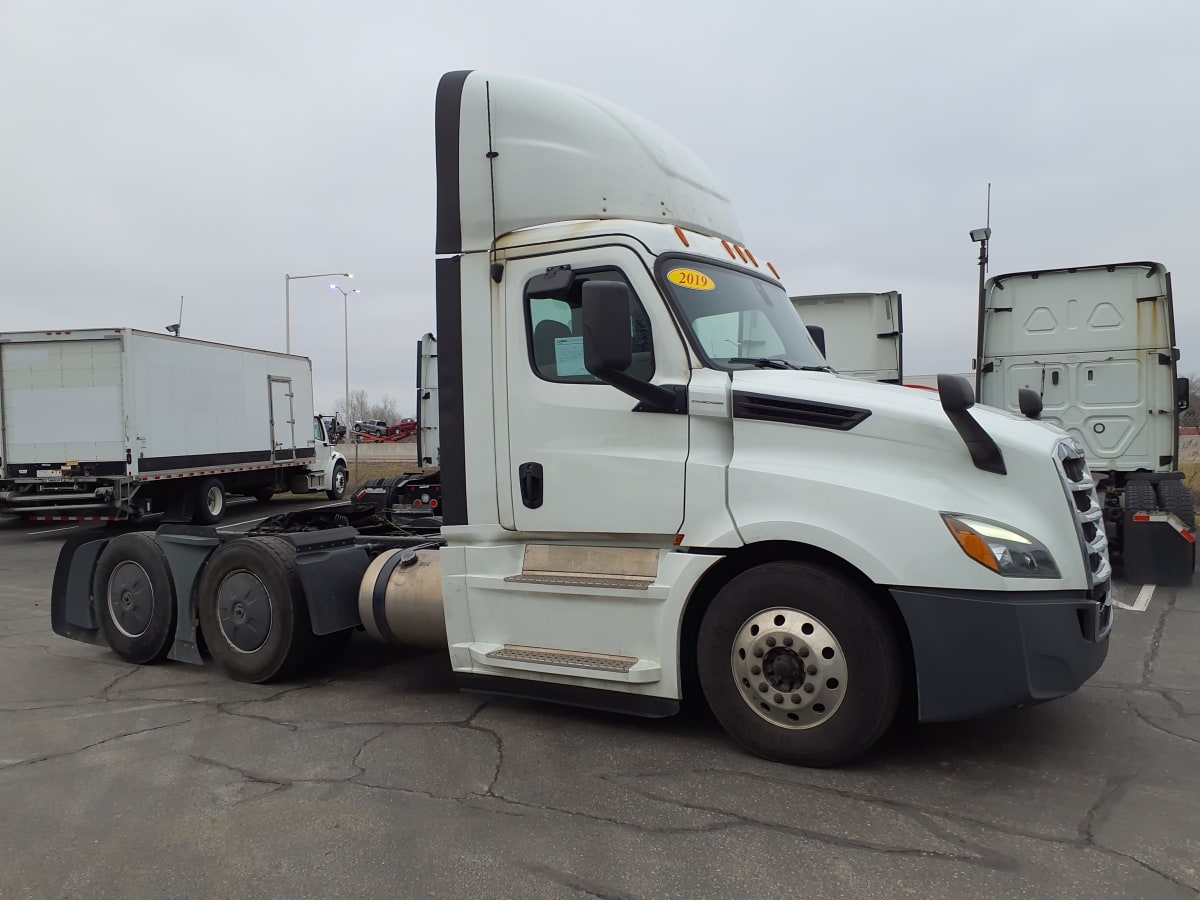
column 762, row 687
column 755, row 670
column 808, row 689
column 811, row 670
column 758, row 652
column 796, row 698
column 770, row 642
column 787, row 642
column 803, row 651
column 779, row 698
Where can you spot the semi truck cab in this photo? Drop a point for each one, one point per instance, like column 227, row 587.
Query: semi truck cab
column 653, row 486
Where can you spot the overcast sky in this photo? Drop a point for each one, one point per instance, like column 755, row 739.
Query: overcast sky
column 157, row 149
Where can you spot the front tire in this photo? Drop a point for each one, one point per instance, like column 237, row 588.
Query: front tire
column 253, row 612
column 135, row 598
column 339, row 482
column 799, row 664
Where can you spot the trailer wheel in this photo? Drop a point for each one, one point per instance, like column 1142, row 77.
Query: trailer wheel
column 135, row 598
column 253, row 612
column 210, row 502
column 263, row 494
column 799, row 665
column 1176, row 497
column 337, row 488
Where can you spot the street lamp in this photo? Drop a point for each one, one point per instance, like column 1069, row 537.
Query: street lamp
column 346, row 325
column 981, row 236
column 287, row 298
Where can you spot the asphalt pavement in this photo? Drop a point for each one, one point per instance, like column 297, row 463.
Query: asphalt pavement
column 376, row 778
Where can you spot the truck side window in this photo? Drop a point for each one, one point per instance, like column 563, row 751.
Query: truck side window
column 554, row 330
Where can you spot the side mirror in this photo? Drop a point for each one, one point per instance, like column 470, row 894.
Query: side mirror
column 955, row 392
column 607, row 344
column 1030, row 402
column 1183, row 393
column 817, row 333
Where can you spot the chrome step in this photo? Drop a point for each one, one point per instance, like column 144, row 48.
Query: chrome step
column 628, row 583
column 572, row 659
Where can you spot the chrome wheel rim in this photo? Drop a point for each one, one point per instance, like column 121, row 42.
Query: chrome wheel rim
column 789, row 668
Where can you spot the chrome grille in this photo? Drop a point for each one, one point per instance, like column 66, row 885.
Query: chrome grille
column 1089, row 527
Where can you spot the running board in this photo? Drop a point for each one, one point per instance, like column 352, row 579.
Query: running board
column 604, row 666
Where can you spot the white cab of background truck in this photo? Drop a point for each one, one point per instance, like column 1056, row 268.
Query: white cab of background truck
column 115, row 423
column 654, row 485
column 1097, row 345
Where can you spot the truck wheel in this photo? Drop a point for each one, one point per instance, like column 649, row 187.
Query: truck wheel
column 1139, row 496
column 253, row 612
column 798, row 664
column 1176, row 497
column 263, row 494
column 337, row 488
column 210, row 502
column 135, row 598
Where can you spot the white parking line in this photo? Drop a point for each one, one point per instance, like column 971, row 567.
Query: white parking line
column 1142, row 601
column 52, row 530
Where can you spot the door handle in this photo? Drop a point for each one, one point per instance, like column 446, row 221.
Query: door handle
column 529, row 475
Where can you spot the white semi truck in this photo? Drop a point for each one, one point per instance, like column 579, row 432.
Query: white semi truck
column 654, row 486
column 115, row 424
column 1096, row 346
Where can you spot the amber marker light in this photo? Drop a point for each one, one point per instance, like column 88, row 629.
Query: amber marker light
column 752, row 259
column 972, row 543
column 682, row 236
column 740, row 252
column 774, row 272
column 728, row 249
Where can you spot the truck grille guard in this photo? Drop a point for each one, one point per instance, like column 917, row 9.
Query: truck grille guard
column 1089, row 528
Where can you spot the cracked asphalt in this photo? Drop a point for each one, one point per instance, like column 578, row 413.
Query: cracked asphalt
column 376, row 778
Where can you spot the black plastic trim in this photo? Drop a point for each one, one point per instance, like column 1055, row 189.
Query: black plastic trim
column 452, row 422
column 208, row 460
column 447, row 137
column 977, row 652
column 71, row 612
column 789, row 411
column 86, row 469
column 570, row 695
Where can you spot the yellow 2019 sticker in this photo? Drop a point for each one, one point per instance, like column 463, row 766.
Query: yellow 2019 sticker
column 690, row 279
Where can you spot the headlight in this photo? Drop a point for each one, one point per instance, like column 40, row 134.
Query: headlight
column 1002, row 549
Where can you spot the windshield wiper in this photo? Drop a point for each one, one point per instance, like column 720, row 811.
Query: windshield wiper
column 814, row 368
column 763, row 362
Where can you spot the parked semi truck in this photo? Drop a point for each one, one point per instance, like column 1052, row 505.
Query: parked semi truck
column 862, row 334
column 654, row 485
column 117, row 424
column 1096, row 345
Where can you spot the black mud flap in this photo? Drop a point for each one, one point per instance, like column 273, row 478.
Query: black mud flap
column 331, row 568
column 71, row 612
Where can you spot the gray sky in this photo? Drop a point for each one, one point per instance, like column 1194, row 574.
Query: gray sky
column 155, row 149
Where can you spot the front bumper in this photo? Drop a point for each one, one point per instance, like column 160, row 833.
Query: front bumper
column 977, row 652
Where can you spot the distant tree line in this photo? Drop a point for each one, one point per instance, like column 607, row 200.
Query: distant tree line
column 362, row 408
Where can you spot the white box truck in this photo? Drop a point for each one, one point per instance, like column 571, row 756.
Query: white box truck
column 861, row 334
column 113, row 424
column 653, row 485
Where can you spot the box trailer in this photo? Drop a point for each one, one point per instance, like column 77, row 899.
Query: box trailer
column 863, row 333
column 116, row 423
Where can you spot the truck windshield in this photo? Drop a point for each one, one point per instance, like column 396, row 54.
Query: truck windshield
column 738, row 320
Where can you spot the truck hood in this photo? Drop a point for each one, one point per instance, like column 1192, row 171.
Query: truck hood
column 891, row 412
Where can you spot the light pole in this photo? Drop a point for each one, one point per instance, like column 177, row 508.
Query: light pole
column 287, row 299
column 346, row 325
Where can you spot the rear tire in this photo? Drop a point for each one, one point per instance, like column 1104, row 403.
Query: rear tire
column 1140, row 496
column 263, row 494
column 339, row 483
column 799, row 664
column 253, row 612
column 210, row 502
column 1176, row 497
column 135, row 598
